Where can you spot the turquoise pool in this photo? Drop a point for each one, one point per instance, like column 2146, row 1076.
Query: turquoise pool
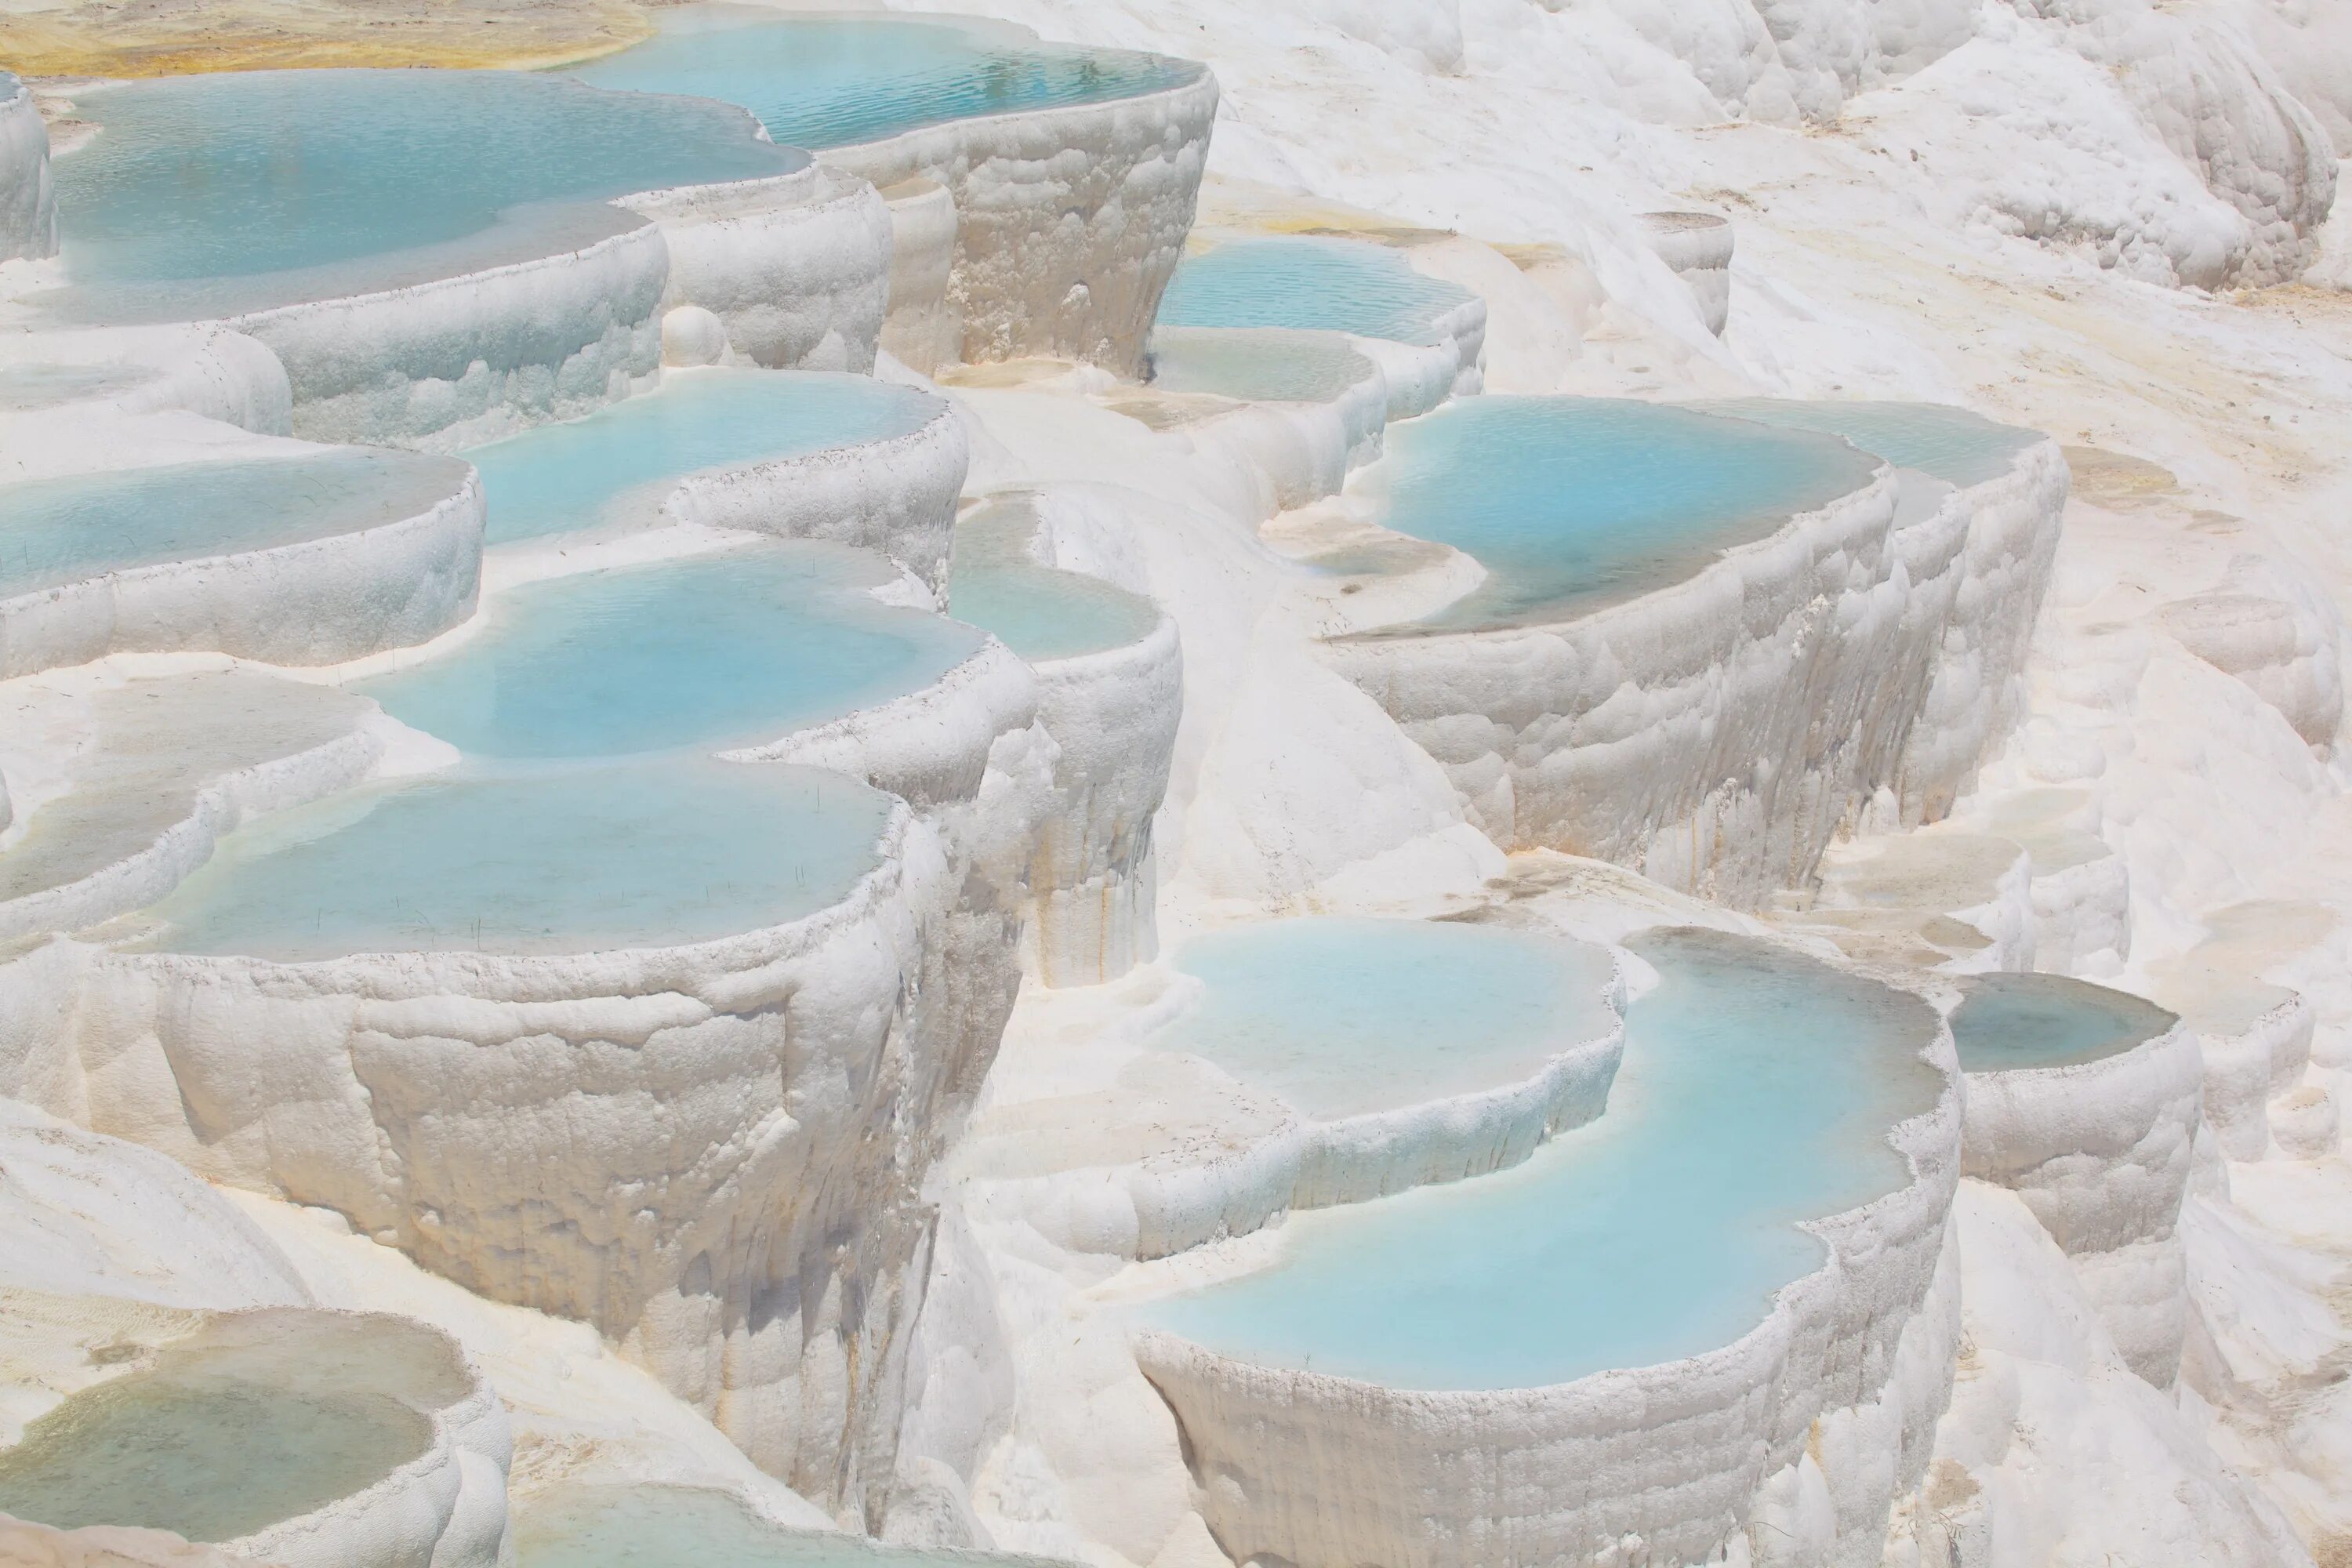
column 2010, row 1021
column 1039, row 612
column 1265, row 365
column 652, row 1526
column 1310, row 283
column 252, row 1419
column 647, row 853
column 233, row 191
column 1951, row 444
column 736, row 648
column 1574, row 503
column 54, row 532
column 1758, row 1089
column 624, row 458
column 1341, row 1016
column 832, row 82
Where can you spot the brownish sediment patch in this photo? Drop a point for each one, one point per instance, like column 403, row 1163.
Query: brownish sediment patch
column 169, row 37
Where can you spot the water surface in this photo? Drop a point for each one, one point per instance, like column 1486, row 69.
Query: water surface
column 831, row 82
column 626, row 457
column 2010, row 1021
column 256, row 1419
column 237, row 190
column 647, row 853
column 1951, row 444
column 651, row 1526
column 1341, row 1016
column 1311, row 283
column 1575, row 503
column 736, row 648
column 1037, row 611
column 1758, row 1089
column 59, row 531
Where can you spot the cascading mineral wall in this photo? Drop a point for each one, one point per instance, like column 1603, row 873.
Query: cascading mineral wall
column 1069, row 220
column 1667, row 1464
column 28, row 211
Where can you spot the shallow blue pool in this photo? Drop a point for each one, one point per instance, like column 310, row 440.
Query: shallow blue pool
column 240, row 189
column 625, row 457
column 1951, row 444
column 1758, row 1089
column 2010, row 1021
column 60, row 530
column 647, row 1525
column 736, row 648
column 1317, row 284
column 1038, row 611
column 831, row 82
column 1573, row 503
column 1265, row 365
column 1341, row 1016
column 646, row 854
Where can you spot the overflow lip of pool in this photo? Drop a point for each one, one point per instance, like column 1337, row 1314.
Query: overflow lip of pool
column 536, row 296
column 268, row 552
column 1652, row 733
column 2086, row 1102
column 1109, row 669
column 763, row 452
column 489, row 1111
column 1024, row 279
column 1323, row 1470
column 172, row 763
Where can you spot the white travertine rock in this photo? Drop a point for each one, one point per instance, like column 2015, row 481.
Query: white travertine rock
column 922, row 330
column 797, row 266
column 2274, row 635
column 56, row 386
column 692, row 336
column 1647, row 732
column 311, row 602
column 85, row 1215
column 1069, row 219
column 28, row 209
column 2100, row 1153
column 815, row 1067
column 895, row 497
column 1697, row 247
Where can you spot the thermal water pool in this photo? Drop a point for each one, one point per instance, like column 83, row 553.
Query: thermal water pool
column 1262, row 365
column 256, row 1419
column 208, row 194
column 1573, row 503
column 649, row 1525
column 59, row 530
column 1758, row 1089
column 1038, row 611
column 735, row 648
column 624, row 458
column 2006, row 1021
column 1944, row 442
column 1344, row 1016
column 646, row 853
column 832, row 81
column 1310, row 283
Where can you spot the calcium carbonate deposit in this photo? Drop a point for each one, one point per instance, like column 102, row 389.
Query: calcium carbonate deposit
column 1175, row 784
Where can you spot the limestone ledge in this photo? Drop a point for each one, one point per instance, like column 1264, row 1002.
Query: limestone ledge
column 1837, row 1390
column 1275, row 1158
column 2101, row 1153
column 1069, row 219
column 711, row 1153
column 312, row 602
column 29, row 208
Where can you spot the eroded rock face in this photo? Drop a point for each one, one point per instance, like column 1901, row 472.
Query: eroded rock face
column 28, row 210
